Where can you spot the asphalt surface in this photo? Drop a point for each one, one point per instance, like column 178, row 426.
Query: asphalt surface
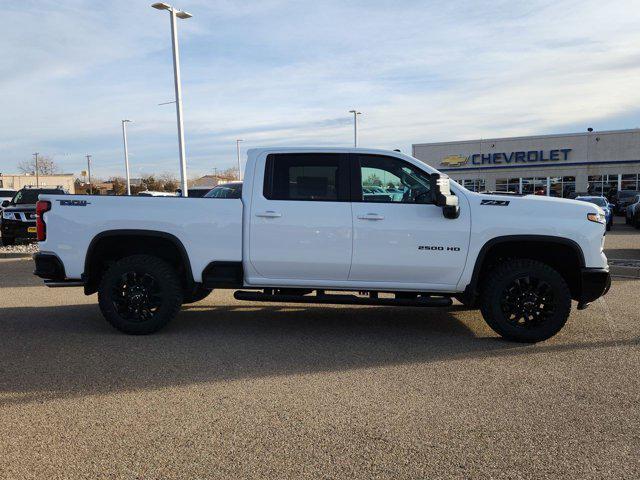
column 238, row 390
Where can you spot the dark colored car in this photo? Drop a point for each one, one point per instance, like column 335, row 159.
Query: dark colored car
column 622, row 199
column 19, row 214
column 226, row 190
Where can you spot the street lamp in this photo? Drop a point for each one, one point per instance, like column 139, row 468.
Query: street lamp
column 238, row 153
column 355, row 126
column 126, row 154
column 173, row 13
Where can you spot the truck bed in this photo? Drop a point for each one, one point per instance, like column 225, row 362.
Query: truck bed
column 210, row 229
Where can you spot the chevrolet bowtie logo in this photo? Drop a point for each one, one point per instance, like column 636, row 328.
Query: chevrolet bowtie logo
column 454, row 160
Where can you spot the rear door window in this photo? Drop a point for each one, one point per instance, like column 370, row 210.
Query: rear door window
column 307, row 177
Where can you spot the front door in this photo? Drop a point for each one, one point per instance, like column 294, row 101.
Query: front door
column 301, row 220
column 399, row 235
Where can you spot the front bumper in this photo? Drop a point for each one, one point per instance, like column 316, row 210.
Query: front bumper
column 16, row 229
column 595, row 282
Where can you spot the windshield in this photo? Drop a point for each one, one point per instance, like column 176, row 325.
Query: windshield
column 600, row 201
column 226, row 191
column 7, row 193
column 31, row 196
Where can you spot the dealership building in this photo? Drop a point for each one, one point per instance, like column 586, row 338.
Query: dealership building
column 557, row 165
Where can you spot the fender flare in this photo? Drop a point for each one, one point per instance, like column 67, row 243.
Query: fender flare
column 144, row 233
column 472, row 287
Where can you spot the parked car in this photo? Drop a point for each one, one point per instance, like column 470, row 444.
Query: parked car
column 5, row 196
column 631, row 209
column 303, row 226
column 226, row 190
column 602, row 203
column 19, row 214
column 152, row 193
column 194, row 192
column 622, row 199
column 635, row 220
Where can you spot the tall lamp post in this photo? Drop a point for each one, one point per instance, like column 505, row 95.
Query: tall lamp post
column 238, row 153
column 37, row 170
column 89, row 172
column 126, row 154
column 355, row 126
column 173, row 13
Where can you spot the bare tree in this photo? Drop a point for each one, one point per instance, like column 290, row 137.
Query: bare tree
column 46, row 166
column 231, row 172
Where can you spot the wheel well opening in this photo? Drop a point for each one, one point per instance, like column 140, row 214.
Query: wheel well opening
column 109, row 249
column 564, row 258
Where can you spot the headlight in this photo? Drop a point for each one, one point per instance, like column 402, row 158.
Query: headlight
column 7, row 215
column 596, row 217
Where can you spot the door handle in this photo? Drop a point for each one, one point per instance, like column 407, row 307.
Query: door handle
column 371, row 216
column 269, row 214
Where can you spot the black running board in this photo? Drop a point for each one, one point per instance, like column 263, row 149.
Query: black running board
column 340, row 299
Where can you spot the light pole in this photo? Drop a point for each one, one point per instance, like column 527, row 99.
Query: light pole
column 37, row 173
column 89, row 173
column 355, row 126
column 238, row 153
column 173, row 13
column 126, row 154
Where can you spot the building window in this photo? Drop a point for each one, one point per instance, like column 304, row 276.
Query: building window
column 508, row 185
column 564, row 187
column 602, row 184
column 535, row 185
column 630, row 182
column 474, row 184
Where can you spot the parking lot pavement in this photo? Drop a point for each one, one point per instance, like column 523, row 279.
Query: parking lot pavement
column 242, row 390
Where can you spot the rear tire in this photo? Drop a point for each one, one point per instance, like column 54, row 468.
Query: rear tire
column 140, row 294
column 525, row 301
column 8, row 241
column 199, row 293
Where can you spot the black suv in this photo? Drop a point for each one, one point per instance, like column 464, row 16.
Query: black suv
column 19, row 214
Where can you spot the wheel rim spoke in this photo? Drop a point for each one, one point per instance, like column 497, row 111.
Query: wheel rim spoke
column 136, row 296
column 527, row 301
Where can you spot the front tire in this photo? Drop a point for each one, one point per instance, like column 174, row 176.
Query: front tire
column 525, row 301
column 140, row 294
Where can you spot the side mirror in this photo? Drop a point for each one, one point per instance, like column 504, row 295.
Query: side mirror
column 442, row 196
column 6, row 203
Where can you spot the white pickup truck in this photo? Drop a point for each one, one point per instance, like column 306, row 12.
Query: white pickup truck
column 313, row 225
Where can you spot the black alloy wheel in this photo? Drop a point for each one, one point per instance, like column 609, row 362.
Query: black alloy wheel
column 528, row 301
column 136, row 296
column 525, row 300
column 140, row 294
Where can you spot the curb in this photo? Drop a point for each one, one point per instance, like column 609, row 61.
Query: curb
column 15, row 255
column 621, row 271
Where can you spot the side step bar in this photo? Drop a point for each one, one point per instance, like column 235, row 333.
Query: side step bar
column 340, row 299
column 64, row 283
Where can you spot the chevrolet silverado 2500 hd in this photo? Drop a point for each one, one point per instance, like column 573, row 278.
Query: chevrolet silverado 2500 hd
column 312, row 224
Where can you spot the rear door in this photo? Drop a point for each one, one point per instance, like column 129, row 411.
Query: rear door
column 300, row 225
column 399, row 235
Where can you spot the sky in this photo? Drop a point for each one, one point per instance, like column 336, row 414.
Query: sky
column 276, row 72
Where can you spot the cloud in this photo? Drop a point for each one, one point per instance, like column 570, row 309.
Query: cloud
column 278, row 72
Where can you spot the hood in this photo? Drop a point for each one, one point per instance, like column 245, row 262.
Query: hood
column 535, row 203
column 25, row 207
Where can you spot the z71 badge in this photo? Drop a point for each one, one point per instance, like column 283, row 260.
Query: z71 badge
column 495, row 203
